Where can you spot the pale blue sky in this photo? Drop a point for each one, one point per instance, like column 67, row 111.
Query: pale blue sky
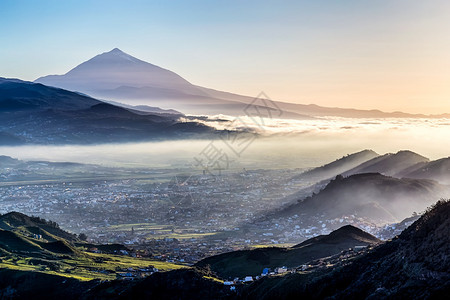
column 392, row 55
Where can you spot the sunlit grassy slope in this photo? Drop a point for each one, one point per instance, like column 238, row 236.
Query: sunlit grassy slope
column 26, row 244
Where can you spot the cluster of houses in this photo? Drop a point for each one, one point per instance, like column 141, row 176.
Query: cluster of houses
column 320, row 263
column 265, row 272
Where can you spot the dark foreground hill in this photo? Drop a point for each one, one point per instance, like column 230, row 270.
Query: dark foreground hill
column 178, row 284
column 416, row 265
column 252, row 262
column 38, row 114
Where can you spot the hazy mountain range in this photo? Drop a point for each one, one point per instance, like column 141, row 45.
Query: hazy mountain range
column 390, row 164
column 379, row 189
column 118, row 76
column 373, row 196
column 401, row 164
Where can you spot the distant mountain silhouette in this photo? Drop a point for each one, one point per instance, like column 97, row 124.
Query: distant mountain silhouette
column 252, row 262
column 403, row 164
column 337, row 167
column 145, row 109
column 389, row 164
column 438, row 170
column 38, row 114
column 118, row 76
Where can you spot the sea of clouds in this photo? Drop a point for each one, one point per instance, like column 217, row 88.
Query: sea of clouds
column 280, row 143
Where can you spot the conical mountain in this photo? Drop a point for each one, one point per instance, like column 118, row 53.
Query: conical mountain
column 117, row 69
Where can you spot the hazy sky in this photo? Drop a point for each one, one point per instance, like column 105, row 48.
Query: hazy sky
column 391, row 55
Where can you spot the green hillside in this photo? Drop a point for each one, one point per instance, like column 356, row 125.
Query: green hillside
column 30, row 226
column 33, row 244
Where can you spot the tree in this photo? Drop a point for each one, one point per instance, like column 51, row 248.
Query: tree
column 339, row 177
column 82, row 237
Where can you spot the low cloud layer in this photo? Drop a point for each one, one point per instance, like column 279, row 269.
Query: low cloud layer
column 281, row 143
